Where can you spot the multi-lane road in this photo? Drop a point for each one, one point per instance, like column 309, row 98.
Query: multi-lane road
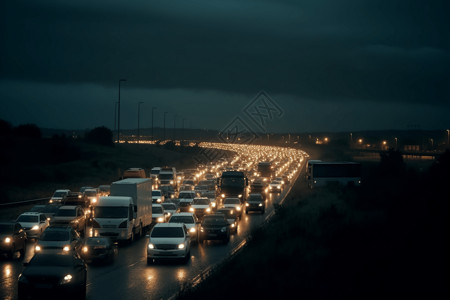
column 130, row 277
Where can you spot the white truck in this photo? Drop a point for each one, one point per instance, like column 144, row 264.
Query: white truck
column 140, row 192
column 168, row 176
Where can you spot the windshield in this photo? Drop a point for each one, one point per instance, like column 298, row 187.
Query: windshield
column 59, row 194
column 169, row 206
column 182, row 219
column 234, row 182
column 90, row 193
column 53, row 236
column 96, row 241
column 157, row 210
column 167, row 232
column 156, row 193
column 201, row 201
column 215, row 221
column 25, row 218
column 165, row 176
column 232, row 201
column 66, row 213
column 52, row 260
column 111, row 212
column 6, row 228
column 187, row 195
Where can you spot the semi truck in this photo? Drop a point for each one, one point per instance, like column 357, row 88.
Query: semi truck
column 140, row 192
column 321, row 173
column 232, row 184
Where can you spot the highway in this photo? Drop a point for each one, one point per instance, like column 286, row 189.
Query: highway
column 130, row 277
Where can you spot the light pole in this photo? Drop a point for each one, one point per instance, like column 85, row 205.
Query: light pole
column 153, row 109
column 139, row 115
column 164, row 131
column 174, row 126
column 182, row 131
column 118, row 113
column 115, row 116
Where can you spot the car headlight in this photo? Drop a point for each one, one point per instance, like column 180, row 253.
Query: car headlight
column 151, row 246
column 278, row 187
column 246, row 204
column 35, row 227
column 171, row 182
column 160, row 219
column 223, row 229
column 191, row 209
column 213, row 204
column 192, row 230
column 223, row 195
column 66, row 248
column 94, row 200
column 85, row 249
column 260, row 204
column 233, row 225
column 7, row 240
column 208, row 209
column 66, row 279
column 238, row 208
column 240, row 196
column 181, row 246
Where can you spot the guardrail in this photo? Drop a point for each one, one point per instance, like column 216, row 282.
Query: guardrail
column 18, row 203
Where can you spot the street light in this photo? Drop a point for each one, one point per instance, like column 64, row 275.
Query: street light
column 153, row 109
column 115, row 116
column 118, row 114
column 174, row 126
column 164, row 132
column 139, row 114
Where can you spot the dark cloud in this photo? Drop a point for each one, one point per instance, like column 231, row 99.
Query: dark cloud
column 325, row 50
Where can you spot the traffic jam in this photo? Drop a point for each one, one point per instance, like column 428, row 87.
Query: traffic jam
column 173, row 210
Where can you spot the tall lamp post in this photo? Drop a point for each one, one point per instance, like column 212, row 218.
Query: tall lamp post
column 174, row 126
column 118, row 114
column 164, row 132
column 115, row 117
column 153, row 109
column 139, row 115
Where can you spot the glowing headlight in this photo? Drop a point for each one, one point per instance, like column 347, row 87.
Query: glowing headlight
column 8, row 240
column 171, row 182
column 213, row 204
column 260, row 204
column 223, row 195
column 85, row 249
column 151, row 246
column 66, row 248
column 160, row 219
column 278, row 187
column 240, row 196
column 66, row 279
column 37, row 248
column 35, row 227
column 181, row 246
column 192, row 230
column 191, row 209
column 208, row 209
column 238, row 208
column 232, row 225
column 94, row 200
column 246, row 204
column 223, row 229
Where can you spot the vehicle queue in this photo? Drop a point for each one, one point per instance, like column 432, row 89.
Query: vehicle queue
column 184, row 213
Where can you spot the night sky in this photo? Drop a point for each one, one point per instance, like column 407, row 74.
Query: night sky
column 327, row 65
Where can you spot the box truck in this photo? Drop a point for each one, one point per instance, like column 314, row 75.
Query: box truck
column 140, row 192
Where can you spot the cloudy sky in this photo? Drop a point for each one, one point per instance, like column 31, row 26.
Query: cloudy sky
column 327, row 65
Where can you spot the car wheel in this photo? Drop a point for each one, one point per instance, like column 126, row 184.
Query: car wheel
column 131, row 239
column 149, row 261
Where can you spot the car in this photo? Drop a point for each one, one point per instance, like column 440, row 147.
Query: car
column 214, row 227
column 34, row 223
column 59, row 196
column 168, row 191
column 104, row 190
column 91, row 196
column 13, row 238
column 255, row 202
column 157, row 196
column 184, row 205
column 170, row 208
column 58, row 239
column 275, row 186
column 98, row 249
column 49, row 210
column 169, row 241
column 72, row 215
column 158, row 214
column 234, row 203
column 200, row 206
column 187, row 195
column 56, row 275
column 231, row 216
column 134, row 173
column 190, row 220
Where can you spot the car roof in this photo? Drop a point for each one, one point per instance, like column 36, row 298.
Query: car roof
column 59, row 228
column 183, row 214
column 31, row 213
column 69, row 206
column 156, row 205
column 168, row 225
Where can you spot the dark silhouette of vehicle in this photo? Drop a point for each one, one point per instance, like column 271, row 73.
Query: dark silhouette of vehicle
column 13, row 238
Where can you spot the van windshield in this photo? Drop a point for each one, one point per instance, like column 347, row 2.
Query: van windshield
column 111, row 212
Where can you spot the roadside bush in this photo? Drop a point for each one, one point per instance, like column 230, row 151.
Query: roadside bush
column 100, row 136
column 28, row 131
